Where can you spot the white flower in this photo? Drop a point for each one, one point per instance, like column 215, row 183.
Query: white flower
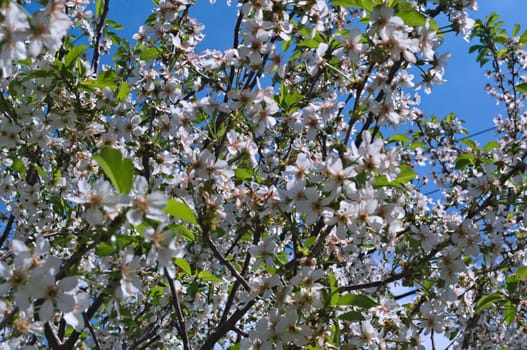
column 75, row 318
column 151, row 204
column 164, row 247
column 17, row 278
column 264, row 252
column 99, row 199
column 59, row 294
column 15, row 25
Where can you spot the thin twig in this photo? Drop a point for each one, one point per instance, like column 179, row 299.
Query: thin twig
column 177, row 307
column 92, row 331
column 226, row 326
column 224, row 261
column 53, row 341
column 89, row 314
column 98, row 35
column 7, row 230
column 6, row 320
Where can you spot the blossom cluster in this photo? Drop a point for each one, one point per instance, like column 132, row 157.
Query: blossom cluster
column 260, row 196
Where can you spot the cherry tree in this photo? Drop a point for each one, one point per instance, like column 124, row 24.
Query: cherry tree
column 267, row 196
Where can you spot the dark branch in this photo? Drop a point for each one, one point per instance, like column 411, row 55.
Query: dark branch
column 177, row 307
column 98, row 35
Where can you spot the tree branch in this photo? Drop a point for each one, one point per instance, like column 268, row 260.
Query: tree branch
column 7, row 230
column 226, row 326
column 177, row 307
column 224, row 261
column 98, row 35
column 92, row 331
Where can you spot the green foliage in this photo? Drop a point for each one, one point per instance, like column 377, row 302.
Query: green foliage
column 120, row 171
column 180, row 210
column 360, row 300
column 362, row 4
column 487, row 301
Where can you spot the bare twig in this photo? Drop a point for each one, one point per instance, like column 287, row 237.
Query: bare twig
column 227, row 326
column 224, row 261
column 7, row 230
column 6, row 320
column 98, row 35
column 53, row 341
column 92, row 331
column 177, row 307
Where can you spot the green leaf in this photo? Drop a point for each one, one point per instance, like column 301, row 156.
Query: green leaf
column 487, row 301
column 523, row 38
column 148, row 54
column 522, row 273
column 120, row 171
column 416, row 144
column 180, row 210
column 308, row 44
column 464, row 160
column 208, row 277
column 382, row 181
column 243, row 174
column 105, row 249
column 185, row 232
column 511, row 283
column 360, row 300
column 124, row 89
column 522, row 88
column 516, row 29
column 73, row 54
column 183, row 265
column 510, row 312
column 101, row 83
column 99, row 5
column 490, row 145
column 470, row 143
column 123, row 240
column 333, row 289
column 352, row 316
column 19, row 166
column 399, row 138
column 363, row 4
column 406, row 174
column 115, row 25
column 412, row 18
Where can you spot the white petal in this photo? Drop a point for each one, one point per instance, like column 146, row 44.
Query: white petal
column 17, row 246
column 46, row 311
column 140, row 185
column 68, row 283
column 65, row 302
column 75, row 320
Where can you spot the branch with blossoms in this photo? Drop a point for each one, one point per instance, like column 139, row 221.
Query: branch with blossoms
column 259, row 196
